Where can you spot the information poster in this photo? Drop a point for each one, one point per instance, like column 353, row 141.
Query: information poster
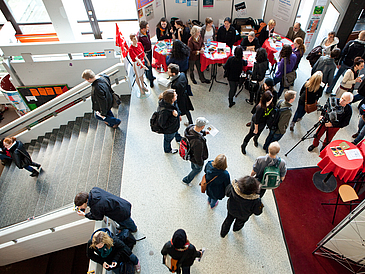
column 283, row 9
column 149, row 12
column 142, row 3
column 208, row 3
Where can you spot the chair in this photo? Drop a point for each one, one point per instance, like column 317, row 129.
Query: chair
column 347, row 194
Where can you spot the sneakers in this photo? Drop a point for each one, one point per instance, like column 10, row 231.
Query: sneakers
column 173, row 151
column 231, row 105
column 215, row 205
column 311, row 147
column 186, row 184
column 138, row 267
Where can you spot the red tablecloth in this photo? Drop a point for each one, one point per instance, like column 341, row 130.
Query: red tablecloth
column 270, row 50
column 160, row 58
column 246, row 56
column 204, row 61
column 361, row 147
column 341, row 166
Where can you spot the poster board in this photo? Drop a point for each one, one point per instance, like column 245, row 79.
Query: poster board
column 152, row 12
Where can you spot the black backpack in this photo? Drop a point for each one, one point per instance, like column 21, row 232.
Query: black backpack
column 155, row 126
column 273, row 120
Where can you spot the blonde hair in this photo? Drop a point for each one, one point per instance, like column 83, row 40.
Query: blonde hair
column 274, row 148
column 87, row 74
column 194, row 30
column 271, row 22
column 9, row 140
column 300, row 42
column 314, row 82
column 220, row 162
column 101, row 237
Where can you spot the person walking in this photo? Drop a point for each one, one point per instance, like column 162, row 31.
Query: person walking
column 20, row 156
column 232, row 70
column 169, row 119
column 242, row 203
column 110, row 252
column 198, row 148
column 101, row 98
column 218, row 178
column 258, row 121
column 350, row 78
column 144, row 38
column 103, row 203
column 179, row 248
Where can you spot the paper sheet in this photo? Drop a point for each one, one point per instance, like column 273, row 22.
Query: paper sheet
column 353, row 154
column 212, row 130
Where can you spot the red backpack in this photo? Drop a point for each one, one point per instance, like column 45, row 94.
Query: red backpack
column 184, row 148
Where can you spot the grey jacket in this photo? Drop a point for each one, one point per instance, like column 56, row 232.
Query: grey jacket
column 328, row 66
column 284, row 117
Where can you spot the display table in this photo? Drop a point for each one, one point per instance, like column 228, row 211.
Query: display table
column 337, row 161
column 250, row 57
column 361, row 147
column 212, row 57
column 273, row 47
column 160, row 51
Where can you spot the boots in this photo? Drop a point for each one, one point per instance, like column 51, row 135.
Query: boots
column 243, row 148
column 292, row 124
column 255, row 142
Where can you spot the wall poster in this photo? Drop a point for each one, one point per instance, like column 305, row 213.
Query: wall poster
column 208, row 3
column 283, row 9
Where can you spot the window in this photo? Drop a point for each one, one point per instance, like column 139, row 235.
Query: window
column 25, row 11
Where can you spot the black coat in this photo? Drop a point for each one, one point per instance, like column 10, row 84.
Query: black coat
column 233, row 68
column 264, row 34
column 246, row 43
column 19, row 155
column 242, row 206
column 228, row 37
column 216, row 188
column 120, row 252
column 183, row 99
column 162, row 35
column 259, row 70
column 168, row 122
column 101, row 96
column 312, row 97
column 198, row 145
column 103, row 203
column 191, row 254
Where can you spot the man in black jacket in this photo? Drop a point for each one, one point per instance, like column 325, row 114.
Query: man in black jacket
column 331, row 128
column 198, row 148
column 352, row 49
column 101, row 97
column 103, row 203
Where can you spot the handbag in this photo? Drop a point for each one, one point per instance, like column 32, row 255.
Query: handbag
column 203, row 184
column 309, row 107
column 116, row 100
column 290, row 77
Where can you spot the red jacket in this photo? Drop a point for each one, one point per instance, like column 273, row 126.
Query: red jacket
column 195, row 47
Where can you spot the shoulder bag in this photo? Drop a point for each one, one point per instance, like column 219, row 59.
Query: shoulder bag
column 116, row 98
column 203, row 184
column 290, row 77
column 309, row 107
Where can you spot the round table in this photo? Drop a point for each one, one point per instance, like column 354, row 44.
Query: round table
column 361, row 147
column 161, row 49
column 271, row 50
column 339, row 166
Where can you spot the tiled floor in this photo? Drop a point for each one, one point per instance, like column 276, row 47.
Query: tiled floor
column 161, row 204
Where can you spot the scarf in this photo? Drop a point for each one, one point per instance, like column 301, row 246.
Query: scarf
column 104, row 251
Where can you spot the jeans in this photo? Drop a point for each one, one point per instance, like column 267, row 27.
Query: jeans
column 148, row 72
column 281, row 89
column 361, row 131
column 340, row 71
column 167, row 138
column 232, row 91
column 195, row 169
column 30, row 169
column 198, row 67
column 299, row 113
column 272, row 137
column 109, row 118
column 134, row 260
column 129, row 224
column 212, row 201
column 238, row 224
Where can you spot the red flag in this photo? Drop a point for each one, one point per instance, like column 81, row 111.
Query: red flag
column 121, row 42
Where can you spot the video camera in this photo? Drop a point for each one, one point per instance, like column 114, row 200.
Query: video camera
column 330, row 110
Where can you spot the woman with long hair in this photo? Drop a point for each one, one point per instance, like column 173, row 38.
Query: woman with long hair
column 233, row 69
column 258, row 121
column 258, row 73
column 267, row 31
column 287, row 54
column 182, row 32
column 163, row 30
column 110, row 252
column 179, row 55
column 208, row 31
column 299, row 49
column 218, row 176
column 20, row 155
column 350, row 78
column 314, row 89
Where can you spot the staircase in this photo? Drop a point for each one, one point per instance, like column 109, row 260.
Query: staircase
column 75, row 157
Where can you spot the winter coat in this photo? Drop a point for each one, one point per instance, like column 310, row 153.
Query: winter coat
column 168, row 122
column 246, row 43
column 284, row 118
column 327, row 50
column 191, row 254
column 204, row 29
column 327, row 65
column 198, row 145
column 242, row 206
column 101, row 96
column 183, row 99
column 183, row 64
column 312, row 97
column 103, row 203
column 289, row 65
column 228, row 37
column 233, row 68
column 216, row 188
column 259, row 70
column 19, row 155
column 195, row 47
column 351, row 50
column 120, row 252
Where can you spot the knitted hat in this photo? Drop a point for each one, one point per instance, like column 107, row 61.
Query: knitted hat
column 269, row 82
column 179, row 238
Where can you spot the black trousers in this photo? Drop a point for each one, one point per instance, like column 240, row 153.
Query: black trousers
column 232, row 91
column 238, row 224
column 251, row 134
